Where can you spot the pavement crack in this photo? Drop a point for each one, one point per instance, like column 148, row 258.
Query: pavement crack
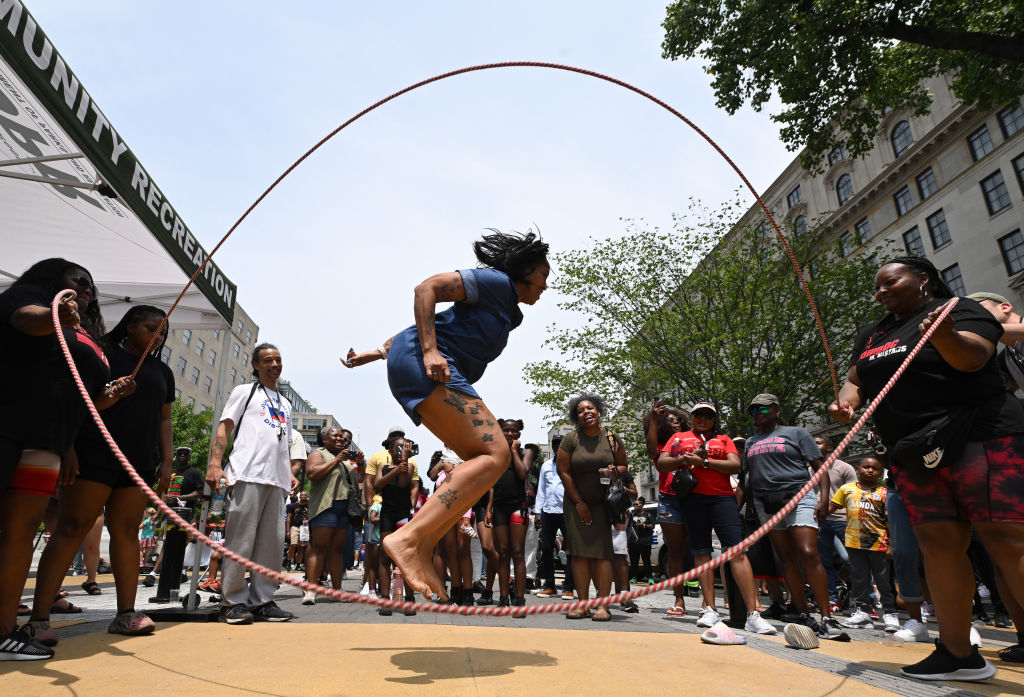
column 472, row 671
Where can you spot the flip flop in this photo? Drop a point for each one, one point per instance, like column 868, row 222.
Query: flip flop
column 66, row 607
column 722, row 635
column 92, row 588
column 601, row 614
column 577, row 614
column 675, row 611
column 62, row 593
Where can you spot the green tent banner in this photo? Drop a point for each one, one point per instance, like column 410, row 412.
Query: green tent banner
column 28, row 51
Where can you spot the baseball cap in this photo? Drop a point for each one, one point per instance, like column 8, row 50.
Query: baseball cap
column 764, row 400
column 393, row 431
column 994, row 297
column 185, row 448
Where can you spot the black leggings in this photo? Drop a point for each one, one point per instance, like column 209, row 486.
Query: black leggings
column 638, row 552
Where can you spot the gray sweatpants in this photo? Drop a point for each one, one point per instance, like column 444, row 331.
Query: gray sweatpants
column 864, row 564
column 255, row 530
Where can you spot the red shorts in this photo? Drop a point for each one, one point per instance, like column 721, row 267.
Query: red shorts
column 36, row 473
column 986, row 484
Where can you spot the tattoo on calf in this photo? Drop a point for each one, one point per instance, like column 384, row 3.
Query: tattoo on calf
column 457, row 401
column 447, row 497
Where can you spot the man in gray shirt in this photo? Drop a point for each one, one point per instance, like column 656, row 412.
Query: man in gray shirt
column 832, row 533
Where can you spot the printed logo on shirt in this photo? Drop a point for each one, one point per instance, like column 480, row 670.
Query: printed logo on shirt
column 272, row 416
column 772, row 444
column 889, row 348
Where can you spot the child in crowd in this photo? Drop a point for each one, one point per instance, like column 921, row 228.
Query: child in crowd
column 147, row 536
column 867, row 540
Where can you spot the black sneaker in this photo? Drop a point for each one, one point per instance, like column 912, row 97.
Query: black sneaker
column 1002, row 619
column 774, row 612
column 150, row 581
column 503, row 601
column 160, row 599
column 809, row 622
column 518, row 601
column 791, row 614
column 829, row 628
column 270, row 612
column 478, row 587
column 235, row 614
column 942, row 665
column 18, row 646
column 486, row 598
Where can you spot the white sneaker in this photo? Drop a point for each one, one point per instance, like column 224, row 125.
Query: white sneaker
column 708, row 618
column 309, row 598
column 858, row 619
column 927, row 610
column 372, row 594
column 891, row 622
column 913, row 631
column 975, row 638
column 757, row 624
column 365, row 590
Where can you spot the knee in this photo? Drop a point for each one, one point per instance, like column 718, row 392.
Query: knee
column 74, row 526
column 518, row 556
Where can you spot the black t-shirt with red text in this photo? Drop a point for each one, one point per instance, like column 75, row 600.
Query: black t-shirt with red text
column 930, row 387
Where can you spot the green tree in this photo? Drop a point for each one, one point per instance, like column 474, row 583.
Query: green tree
column 192, row 431
column 838, row 64
column 691, row 314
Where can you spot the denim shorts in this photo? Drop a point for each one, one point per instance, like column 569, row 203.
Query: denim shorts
column 334, row 517
column 802, row 515
column 706, row 511
column 669, row 509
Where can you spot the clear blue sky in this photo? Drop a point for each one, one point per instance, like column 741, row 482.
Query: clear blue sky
column 216, row 99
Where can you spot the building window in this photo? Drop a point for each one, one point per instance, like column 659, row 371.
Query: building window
column 838, row 153
column 996, row 196
column 901, row 138
column 903, row 201
column 207, row 383
column 195, row 376
column 239, row 327
column 177, row 393
column 980, row 142
column 181, row 365
column 912, row 242
column 951, row 275
column 186, row 336
column 236, row 349
column 1018, row 167
column 800, row 226
column 926, row 183
column 212, row 357
column 200, row 347
column 938, row 229
column 245, row 359
column 844, row 189
column 248, row 336
column 216, row 334
column 1011, row 119
column 863, row 230
column 794, row 197
column 207, row 407
column 234, row 374
column 812, row 269
column 847, row 243
column 1012, row 247
column 873, row 260
column 165, row 355
column 191, row 402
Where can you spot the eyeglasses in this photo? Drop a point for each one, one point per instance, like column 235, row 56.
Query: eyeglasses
column 761, row 410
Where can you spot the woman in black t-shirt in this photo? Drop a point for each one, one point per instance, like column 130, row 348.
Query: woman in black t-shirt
column 954, row 374
column 509, row 515
column 140, row 423
column 394, row 484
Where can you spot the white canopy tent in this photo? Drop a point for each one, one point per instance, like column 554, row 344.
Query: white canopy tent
column 70, row 187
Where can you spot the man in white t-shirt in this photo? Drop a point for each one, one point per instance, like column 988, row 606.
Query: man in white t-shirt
column 259, row 477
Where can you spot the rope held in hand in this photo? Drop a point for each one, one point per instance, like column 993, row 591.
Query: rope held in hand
column 462, row 609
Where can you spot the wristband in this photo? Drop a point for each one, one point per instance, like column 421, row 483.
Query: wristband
column 383, row 352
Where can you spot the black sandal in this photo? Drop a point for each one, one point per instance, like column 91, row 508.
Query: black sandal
column 92, row 588
column 1013, row 654
column 63, row 606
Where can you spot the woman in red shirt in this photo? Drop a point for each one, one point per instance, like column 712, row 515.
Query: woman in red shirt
column 712, row 504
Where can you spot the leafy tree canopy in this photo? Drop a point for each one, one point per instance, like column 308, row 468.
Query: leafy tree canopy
column 838, row 64
column 686, row 316
column 192, row 431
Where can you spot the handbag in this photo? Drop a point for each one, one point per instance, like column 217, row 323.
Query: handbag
column 683, row 482
column 936, row 444
column 355, row 499
column 773, row 501
column 616, row 498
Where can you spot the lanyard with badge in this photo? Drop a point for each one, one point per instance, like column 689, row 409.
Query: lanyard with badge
column 280, row 410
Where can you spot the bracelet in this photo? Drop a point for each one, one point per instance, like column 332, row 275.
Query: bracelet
column 578, row 502
column 383, row 352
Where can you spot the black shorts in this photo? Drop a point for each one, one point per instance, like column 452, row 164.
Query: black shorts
column 114, row 475
column 389, row 521
column 502, row 515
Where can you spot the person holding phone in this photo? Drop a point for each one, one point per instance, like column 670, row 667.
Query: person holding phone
column 431, row 370
column 394, row 484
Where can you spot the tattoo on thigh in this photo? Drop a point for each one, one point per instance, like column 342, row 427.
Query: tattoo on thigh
column 477, row 423
column 488, row 437
column 474, row 410
column 490, row 422
column 457, row 401
column 447, row 497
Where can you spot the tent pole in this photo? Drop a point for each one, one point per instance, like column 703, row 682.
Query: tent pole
column 41, row 158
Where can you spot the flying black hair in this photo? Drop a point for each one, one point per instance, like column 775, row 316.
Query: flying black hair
column 48, row 274
column 921, row 265
column 120, row 332
column 514, row 253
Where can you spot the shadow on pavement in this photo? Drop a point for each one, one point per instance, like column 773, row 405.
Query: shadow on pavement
column 459, row 662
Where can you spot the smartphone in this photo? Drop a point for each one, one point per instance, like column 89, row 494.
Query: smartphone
column 399, row 450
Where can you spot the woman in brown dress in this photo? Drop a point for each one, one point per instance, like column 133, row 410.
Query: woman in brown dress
column 584, row 463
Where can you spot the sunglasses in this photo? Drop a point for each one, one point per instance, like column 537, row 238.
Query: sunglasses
column 703, row 415
column 760, row 410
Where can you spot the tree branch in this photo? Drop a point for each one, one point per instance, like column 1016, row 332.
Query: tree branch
column 983, row 43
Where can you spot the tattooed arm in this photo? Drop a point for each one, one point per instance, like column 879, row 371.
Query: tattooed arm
column 214, row 472
column 440, row 288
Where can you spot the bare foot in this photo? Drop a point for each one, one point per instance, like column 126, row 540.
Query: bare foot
column 416, row 564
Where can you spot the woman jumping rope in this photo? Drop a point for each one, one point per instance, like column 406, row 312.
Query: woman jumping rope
column 431, row 370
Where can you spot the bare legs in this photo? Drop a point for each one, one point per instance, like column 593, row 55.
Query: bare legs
column 741, row 572
column 675, row 539
column 19, row 519
column 797, row 547
column 469, row 428
column 587, row 569
column 511, row 543
column 489, row 552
